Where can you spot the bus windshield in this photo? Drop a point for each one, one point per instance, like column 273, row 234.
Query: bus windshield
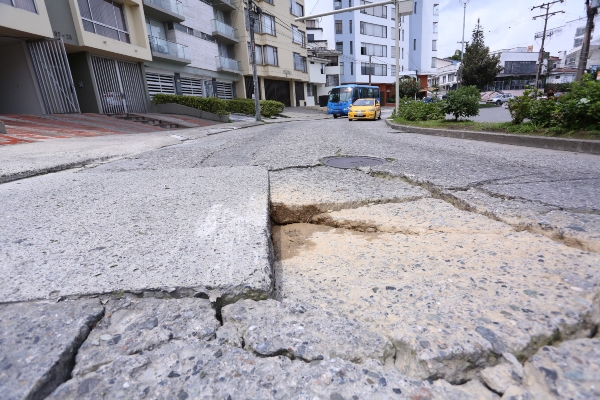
column 340, row 95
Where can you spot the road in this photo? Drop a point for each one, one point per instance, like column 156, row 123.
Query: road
column 237, row 264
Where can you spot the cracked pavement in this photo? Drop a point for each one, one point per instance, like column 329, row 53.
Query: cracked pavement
column 233, row 264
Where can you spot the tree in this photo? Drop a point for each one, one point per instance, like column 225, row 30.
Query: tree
column 408, row 87
column 462, row 103
column 479, row 67
column 456, row 57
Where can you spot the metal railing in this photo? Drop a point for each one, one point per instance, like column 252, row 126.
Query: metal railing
column 228, row 2
column 170, row 5
column 223, row 29
column 173, row 49
column 228, row 63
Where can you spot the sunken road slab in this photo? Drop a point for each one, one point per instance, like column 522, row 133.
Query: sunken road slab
column 452, row 299
column 38, row 343
column 204, row 231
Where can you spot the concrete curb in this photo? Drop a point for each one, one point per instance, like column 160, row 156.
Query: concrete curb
column 550, row 143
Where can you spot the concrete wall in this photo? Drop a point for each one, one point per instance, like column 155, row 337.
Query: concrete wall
column 61, row 19
column 18, row 86
column 84, row 84
column 17, row 22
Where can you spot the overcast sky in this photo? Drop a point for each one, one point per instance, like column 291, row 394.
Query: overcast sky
column 506, row 23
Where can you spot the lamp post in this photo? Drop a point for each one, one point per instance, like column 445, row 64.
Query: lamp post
column 462, row 52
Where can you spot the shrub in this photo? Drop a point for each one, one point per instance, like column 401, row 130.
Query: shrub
column 462, row 103
column 543, row 113
column 241, row 106
column 412, row 110
column 520, row 107
column 270, row 108
column 580, row 107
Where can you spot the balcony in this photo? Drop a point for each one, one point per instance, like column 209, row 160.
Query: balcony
column 228, row 65
column 171, row 51
column 164, row 10
column 223, row 32
column 224, row 5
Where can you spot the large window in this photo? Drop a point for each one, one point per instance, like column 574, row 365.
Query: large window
column 296, row 9
column 27, row 5
column 375, row 69
column 267, row 24
column 519, row 67
column 434, row 45
column 332, row 80
column 373, row 29
column 339, row 46
column 433, row 62
column 370, row 49
column 298, row 36
column 258, row 50
column 104, row 17
column 270, row 55
column 377, row 11
column 435, row 27
column 311, row 23
column 299, row 62
column 436, row 9
column 338, row 27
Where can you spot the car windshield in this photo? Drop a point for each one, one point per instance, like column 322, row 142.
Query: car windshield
column 364, row 102
column 338, row 95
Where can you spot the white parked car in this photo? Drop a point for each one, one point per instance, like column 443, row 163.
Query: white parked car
column 500, row 99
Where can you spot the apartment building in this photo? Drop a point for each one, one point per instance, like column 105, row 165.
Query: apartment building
column 423, row 36
column 66, row 56
column 281, row 55
column 323, row 72
column 520, row 68
column 446, row 75
column 193, row 47
column 366, row 40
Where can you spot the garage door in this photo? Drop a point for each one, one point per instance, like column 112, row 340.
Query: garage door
column 278, row 90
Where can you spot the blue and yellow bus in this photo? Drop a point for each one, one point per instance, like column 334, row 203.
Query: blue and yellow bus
column 342, row 96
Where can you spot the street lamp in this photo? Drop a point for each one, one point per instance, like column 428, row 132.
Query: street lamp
column 464, row 4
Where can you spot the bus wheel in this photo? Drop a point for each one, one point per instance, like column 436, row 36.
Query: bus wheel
column 335, row 116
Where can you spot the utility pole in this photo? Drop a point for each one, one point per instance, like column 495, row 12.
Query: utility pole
column 253, row 12
column 585, row 46
column 397, row 44
column 462, row 52
column 546, row 17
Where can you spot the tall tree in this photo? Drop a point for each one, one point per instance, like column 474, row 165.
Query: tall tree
column 456, row 56
column 479, row 67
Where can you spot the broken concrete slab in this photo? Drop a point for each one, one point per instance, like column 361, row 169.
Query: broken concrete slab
column 38, row 343
column 301, row 331
column 569, row 370
column 501, row 377
column 412, row 218
column 132, row 326
column 299, row 194
column 207, row 370
column 450, row 303
column 173, row 233
column 581, row 230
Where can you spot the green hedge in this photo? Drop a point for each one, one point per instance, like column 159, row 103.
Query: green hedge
column 416, row 110
column 268, row 108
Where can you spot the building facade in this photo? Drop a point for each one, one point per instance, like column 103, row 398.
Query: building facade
column 323, row 72
column 193, row 48
column 423, row 36
column 520, row 68
column 281, row 55
column 72, row 56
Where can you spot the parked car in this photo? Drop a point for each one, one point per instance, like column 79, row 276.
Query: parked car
column 365, row 109
column 500, row 99
column 429, row 99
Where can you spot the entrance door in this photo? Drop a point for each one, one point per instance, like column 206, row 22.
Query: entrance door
column 278, row 90
column 120, row 86
column 299, row 88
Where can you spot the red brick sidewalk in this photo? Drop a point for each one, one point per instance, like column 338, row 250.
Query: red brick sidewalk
column 33, row 128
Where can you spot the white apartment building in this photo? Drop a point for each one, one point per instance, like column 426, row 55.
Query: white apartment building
column 323, row 72
column 423, row 37
column 520, row 67
column 192, row 44
column 446, row 75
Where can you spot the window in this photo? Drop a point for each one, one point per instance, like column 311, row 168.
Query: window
column 104, row 17
column 351, row 47
column 415, row 44
column 415, row 8
column 322, row 69
column 435, row 27
column 432, row 62
column 377, row 11
column 190, row 31
column 299, row 62
column 351, row 68
column 350, row 27
column 296, row 9
column 403, row 35
column 436, row 9
column 267, row 24
column 392, row 70
column 333, row 60
column 270, row 55
column 337, row 4
column 349, row 3
column 311, row 23
column 434, row 45
column 259, row 53
column 580, row 31
column 309, row 90
column 339, row 46
column 332, row 80
column 298, row 36
column 155, row 28
column 310, row 37
column 376, row 69
column 370, row 49
column 519, row 67
column 373, row 29
column 338, row 27
column 578, row 42
column 393, row 14
column 403, row 54
column 393, row 52
column 27, row 5
column 342, row 68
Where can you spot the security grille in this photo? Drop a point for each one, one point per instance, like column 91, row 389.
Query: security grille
column 225, row 90
column 158, row 83
column 191, row 87
column 120, row 86
column 54, row 76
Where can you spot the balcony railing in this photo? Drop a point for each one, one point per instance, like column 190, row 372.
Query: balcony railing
column 225, row 5
column 165, row 47
column 227, row 63
column 222, row 29
column 169, row 5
